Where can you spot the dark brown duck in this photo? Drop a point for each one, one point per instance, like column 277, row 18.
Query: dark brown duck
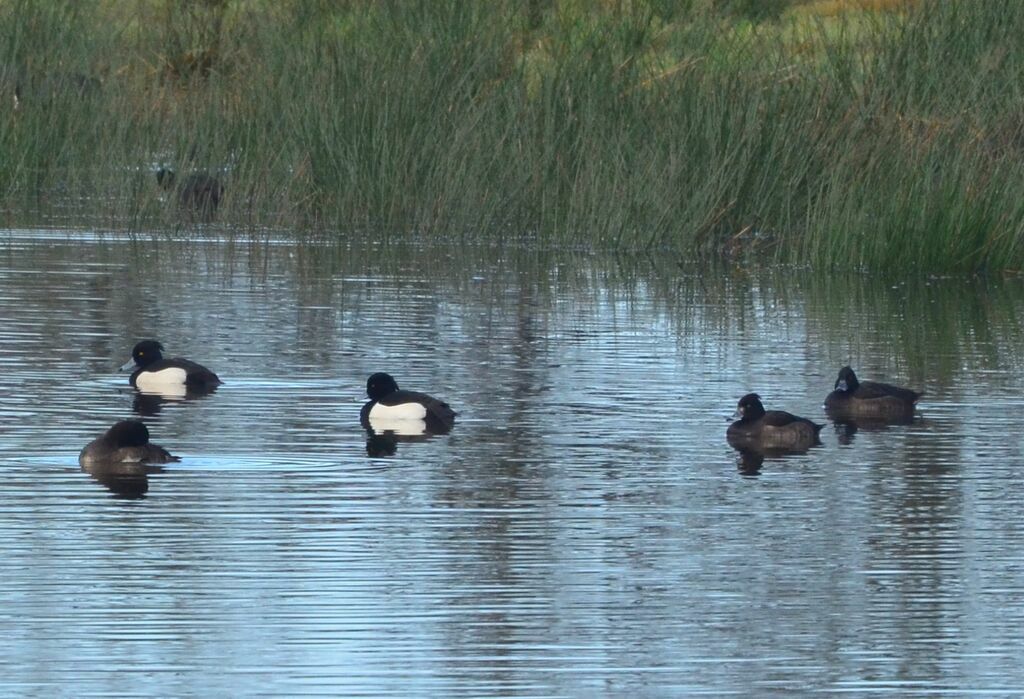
column 772, row 429
column 869, row 399
column 126, row 442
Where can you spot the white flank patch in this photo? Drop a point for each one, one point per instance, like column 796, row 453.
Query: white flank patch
column 399, row 428
column 404, row 411
column 161, row 381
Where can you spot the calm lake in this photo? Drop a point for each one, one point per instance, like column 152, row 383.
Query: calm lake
column 585, row 530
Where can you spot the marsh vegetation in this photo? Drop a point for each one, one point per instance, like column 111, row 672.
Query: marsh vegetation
column 859, row 134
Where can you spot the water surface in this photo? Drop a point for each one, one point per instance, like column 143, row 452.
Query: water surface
column 584, row 530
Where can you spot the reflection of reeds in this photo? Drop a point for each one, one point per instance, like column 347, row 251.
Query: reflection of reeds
column 921, row 332
column 862, row 138
column 918, row 332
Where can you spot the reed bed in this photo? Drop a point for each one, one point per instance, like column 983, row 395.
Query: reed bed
column 859, row 135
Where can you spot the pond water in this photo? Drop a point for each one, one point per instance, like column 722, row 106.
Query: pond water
column 584, row 530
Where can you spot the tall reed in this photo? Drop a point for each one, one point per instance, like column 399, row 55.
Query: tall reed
column 886, row 138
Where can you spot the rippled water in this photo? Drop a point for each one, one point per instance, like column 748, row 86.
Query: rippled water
column 584, row 530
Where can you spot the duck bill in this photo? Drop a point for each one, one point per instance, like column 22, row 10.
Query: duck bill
column 128, row 366
column 841, row 385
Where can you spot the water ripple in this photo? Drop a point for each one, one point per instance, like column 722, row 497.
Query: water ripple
column 584, row 531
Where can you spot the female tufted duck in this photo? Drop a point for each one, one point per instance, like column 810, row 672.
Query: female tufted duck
column 774, row 429
column 869, row 399
column 126, row 442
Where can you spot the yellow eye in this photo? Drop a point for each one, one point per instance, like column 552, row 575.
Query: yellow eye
column 141, row 353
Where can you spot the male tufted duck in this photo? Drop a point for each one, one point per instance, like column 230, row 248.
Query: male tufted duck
column 389, row 404
column 154, row 373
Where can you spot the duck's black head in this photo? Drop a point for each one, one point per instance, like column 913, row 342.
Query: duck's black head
column 380, row 385
column 129, row 433
column 847, row 380
column 146, row 352
column 749, row 407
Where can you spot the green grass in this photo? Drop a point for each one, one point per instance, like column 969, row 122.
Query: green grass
column 817, row 133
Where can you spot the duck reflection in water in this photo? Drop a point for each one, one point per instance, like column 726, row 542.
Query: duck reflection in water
column 847, row 427
column 122, row 457
column 380, row 445
column 382, row 438
column 129, row 481
column 751, row 460
column 149, row 404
